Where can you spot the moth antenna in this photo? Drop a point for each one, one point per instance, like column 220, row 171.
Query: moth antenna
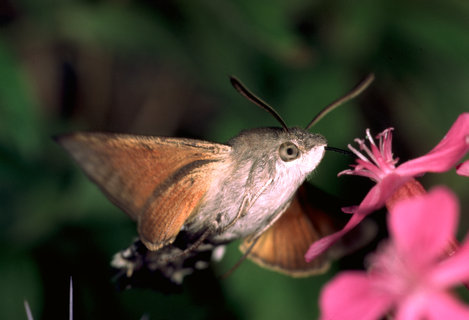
column 338, row 150
column 256, row 100
column 349, row 96
column 241, row 260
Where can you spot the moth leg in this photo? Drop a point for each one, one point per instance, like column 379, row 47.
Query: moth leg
column 245, row 205
column 241, row 260
column 210, row 230
column 241, row 213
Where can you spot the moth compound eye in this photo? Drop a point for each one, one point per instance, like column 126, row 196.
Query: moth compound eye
column 288, row 151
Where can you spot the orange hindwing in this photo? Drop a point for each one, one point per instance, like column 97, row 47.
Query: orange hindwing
column 282, row 247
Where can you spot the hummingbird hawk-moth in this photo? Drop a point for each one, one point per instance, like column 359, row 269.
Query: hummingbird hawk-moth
column 189, row 196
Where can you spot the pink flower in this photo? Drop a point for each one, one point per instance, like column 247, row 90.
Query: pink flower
column 410, row 275
column 380, row 166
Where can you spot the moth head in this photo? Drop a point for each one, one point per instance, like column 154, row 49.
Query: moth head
column 295, row 151
column 300, row 150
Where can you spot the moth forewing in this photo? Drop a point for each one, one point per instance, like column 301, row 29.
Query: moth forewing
column 157, row 181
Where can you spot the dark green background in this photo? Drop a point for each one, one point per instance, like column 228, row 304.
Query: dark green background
column 160, row 68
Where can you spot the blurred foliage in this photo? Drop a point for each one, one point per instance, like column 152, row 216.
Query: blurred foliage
column 160, row 68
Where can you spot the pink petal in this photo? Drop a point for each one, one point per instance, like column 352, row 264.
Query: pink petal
column 432, row 306
column 445, row 155
column 412, row 308
column 374, row 200
column 381, row 192
column 320, row 246
column 444, row 306
column 454, row 270
column 350, row 295
column 422, row 226
column 463, row 169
